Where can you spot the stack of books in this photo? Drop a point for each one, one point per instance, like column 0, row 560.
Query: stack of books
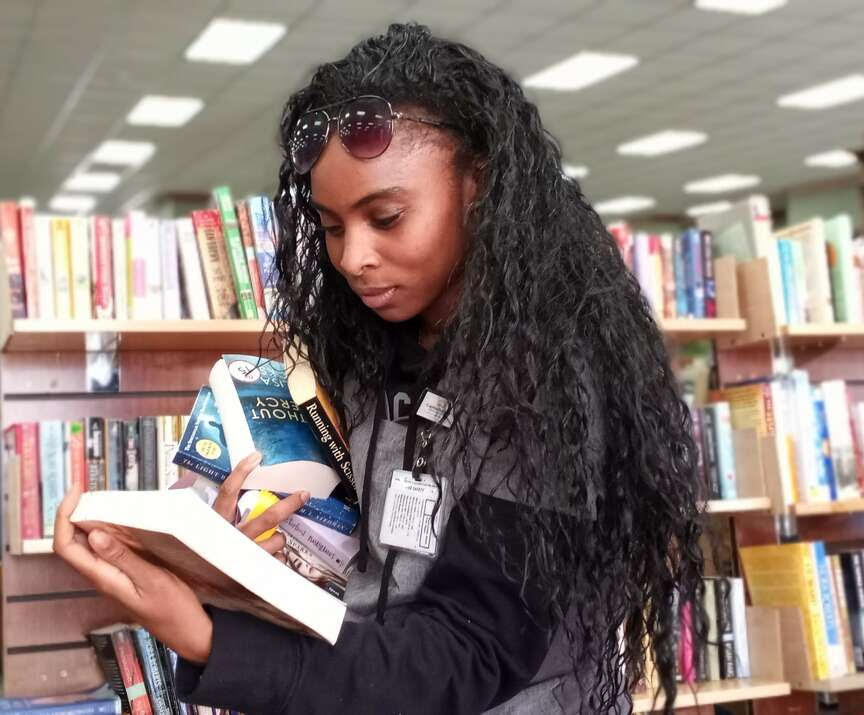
column 827, row 588
column 216, row 263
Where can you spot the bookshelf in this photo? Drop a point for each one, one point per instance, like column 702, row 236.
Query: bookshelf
column 683, row 329
column 845, row 506
column 717, row 692
column 738, row 506
column 842, row 684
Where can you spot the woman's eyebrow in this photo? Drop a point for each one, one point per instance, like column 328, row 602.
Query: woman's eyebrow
column 389, row 192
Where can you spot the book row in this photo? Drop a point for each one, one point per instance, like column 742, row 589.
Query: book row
column 215, row 263
column 827, row 588
column 816, row 430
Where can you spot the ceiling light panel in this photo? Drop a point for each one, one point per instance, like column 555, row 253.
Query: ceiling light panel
column 159, row 111
column 581, row 70
column 722, row 183
column 740, row 7
column 715, row 207
column 834, row 159
column 100, row 181
column 826, row 95
column 117, row 152
column 624, row 205
column 664, row 142
column 72, row 203
column 236, row 42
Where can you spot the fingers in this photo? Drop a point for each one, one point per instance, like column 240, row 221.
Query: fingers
column 273, row 544
column 64, row 529
column 226, row 501
column 275, row 515
column 280, row 556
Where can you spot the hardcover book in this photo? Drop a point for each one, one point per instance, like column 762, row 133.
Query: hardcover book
column 215, row 264
column 236, row 253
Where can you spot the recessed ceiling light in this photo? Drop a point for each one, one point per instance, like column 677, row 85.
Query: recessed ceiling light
column 741, row 7
column 828, row 94
column 720, row 184
column 235, row 42
column 581, row 70
column 834, row 159
column 72, row 203
column 712, row 208
column 574, row 171
column 92, row 181
column 122, row 153
column 624, row 205
column 158, row 111
column 663, row 142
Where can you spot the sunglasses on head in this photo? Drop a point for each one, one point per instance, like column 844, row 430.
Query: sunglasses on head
column 365, row 126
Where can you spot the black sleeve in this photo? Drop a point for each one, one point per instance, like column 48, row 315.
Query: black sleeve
column 464, row 644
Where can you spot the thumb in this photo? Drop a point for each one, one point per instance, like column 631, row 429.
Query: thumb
column 110, row 549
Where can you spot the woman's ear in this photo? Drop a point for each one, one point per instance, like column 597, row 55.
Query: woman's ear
column 470, row 186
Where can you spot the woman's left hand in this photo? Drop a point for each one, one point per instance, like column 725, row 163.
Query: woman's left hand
column 156, row 598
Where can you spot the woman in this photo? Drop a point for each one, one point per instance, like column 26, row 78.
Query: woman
column 441, row 247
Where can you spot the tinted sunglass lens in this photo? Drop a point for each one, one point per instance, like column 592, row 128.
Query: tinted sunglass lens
column 366, row 127
column 308, row 140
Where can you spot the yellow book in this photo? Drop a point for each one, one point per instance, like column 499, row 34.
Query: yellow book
column 750, row 406
column 786, row 575
column 79, row 267
column 62, row 268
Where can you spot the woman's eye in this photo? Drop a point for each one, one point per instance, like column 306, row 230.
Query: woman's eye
column 334, row 231
column 386, row 221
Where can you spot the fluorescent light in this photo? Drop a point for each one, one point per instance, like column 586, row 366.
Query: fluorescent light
column 581, row 70
column 122, row 153
column 834, row 159
column 740, row 7
column 72, row 203
column 624, row 205
column 828, row 94
column 663, row 142
column 574, row 171
column 712, row 208
column 720, row 184
column 234, row 42
column 158, row 111
column 92, row 181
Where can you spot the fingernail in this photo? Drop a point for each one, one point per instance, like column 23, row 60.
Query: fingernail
column 99, row 540
column 304, row 497
column 256, row 458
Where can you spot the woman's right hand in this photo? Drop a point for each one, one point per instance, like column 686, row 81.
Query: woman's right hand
column 226, row 506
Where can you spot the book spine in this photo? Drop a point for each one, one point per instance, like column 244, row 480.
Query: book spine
column 52, row 472
column 853, row 583
column 316, row 556
column 838, row 284
column 236, row 252
column 131, row 481
column 725, row 630
column 695, row 256
column 263, row 229
column 120, row 261
column 668, row 269
column 107, row 658
column 855, row 437
column 739, row 628
column 29, row 258
column 823, row 445
column 11, row 240
column 62, row 268
column 214, row 261
column 686, row 653
column 331, row 513
column 800, row 272
column 840, row 440
column 698, row 437
column 725, row 450
column 814, row 616
column 148, row 478
column 96, row 476
column 79, row 257
column 712, row 468
column 101, row 267
column 712, row 653
column 242, row 208
column 708, row 274
column 114, row 453
column 656, row 258
column 153, row 269
column 194, row 290
column 36, row 706
column 836, row 660
column 842, row 609
column 130, row 670
column 45, row 266
column 334, row 446
column 170, row 270
column 188, row 461
column 75, row 444
column 787, row 273
column 680, row 278
column 167, row 670
column 154, row 679
column 327, row 550
column 31, row 519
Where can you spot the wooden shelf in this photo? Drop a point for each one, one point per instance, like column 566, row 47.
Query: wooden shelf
column 844, row 683
column 843, row 506
column 33, row 335
column 813, row 333
column 736, row 506
column 717, row 691
column 698, row 328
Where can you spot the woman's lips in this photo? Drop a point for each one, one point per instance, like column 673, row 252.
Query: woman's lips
column 377, row 298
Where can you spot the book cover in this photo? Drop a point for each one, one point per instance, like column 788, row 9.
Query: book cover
column 150, row 248
column 27, row 449
column 711, row 665
column 838, row 597
column 725, row 629
column 154, row 678
column 725, row 449
column 712, row 468
column 822, row 443
column 62, row 268
column 708, row 274
column 52, row 472
column 103, row 703
column 668, row 272
column 840, row 438
column 852, row 566
column 836, row 658
column 236, row 252
column 620, row 231
column 120, row 268
column 264, row 231
column 642, row 266
column 131, row 481
column 79, row 259
column 169, row 269
column 811, row 235
column 96, row 468
column 167, row 668
column 680, row 280
column 45, row 266
column 102, row 267
column 101, row 641
column 813, row 483
column 179, row 530
column 242, row 209
column 693, row 273
column 147, row 468
column 194, row 292
column 845, row 282
column 698, row 426
column 787, row 575
column 29, row 257
column 787, row 272
column 130, row 671
column 656, row 268
column 75, row 454
column 800, row 274
column 739, row 628
column 114, row 453
column 336, row 550
column 11, row 240
column 215, row 264
column 166, row 445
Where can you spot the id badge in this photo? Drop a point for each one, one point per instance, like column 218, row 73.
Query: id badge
column 406, row 523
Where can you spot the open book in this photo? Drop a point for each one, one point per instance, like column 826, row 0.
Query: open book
column 178, row 530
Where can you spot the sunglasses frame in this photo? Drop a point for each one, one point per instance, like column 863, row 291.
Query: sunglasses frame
column 338, row 119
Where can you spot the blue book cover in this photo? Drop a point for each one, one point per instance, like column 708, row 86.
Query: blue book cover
column 264, row 233
column 694, row 271
column 832, row 631
column 787, row 273
column 100, row 702
column 823, row 444
column 680, row 280
column 725, row 449
column 52, row 472
column 202, row 447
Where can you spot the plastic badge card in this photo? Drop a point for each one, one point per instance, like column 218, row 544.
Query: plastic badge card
column 407, row 522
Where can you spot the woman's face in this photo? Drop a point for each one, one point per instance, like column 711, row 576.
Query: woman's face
column 394, row 225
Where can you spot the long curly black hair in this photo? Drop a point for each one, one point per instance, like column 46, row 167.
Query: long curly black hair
column 548, row 317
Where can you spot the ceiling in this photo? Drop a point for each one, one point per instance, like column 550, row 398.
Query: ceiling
column 70, row 70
